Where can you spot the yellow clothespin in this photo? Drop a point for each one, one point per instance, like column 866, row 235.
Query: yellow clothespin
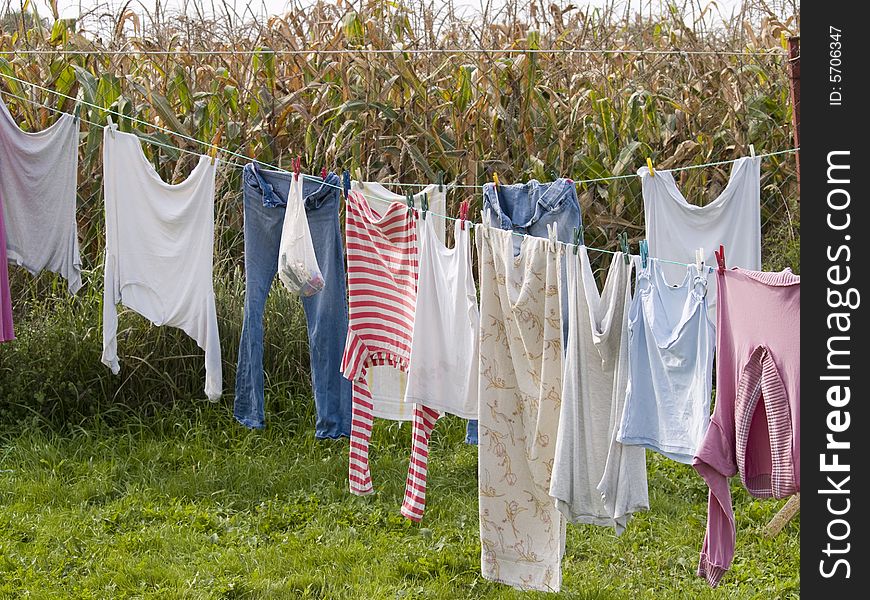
column 214, row 143
column 650, row 167
column 495, row 178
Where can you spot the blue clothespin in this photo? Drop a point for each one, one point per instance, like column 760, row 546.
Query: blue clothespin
column 623, row 245
column 644, row 252
column 346, row 183
column 424, row 204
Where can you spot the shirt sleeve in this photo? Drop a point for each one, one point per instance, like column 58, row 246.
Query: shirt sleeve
column 213, row 366
column 715, row 463
column 110, row 316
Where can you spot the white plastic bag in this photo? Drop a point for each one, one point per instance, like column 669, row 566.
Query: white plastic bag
column 297, row 263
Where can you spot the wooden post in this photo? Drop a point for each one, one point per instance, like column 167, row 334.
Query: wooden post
column 793, row 506
column 794, row 78
column 785, row 514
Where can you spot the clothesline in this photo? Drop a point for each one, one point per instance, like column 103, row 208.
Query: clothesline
column 320, row 180
column 247, row 158
column 339, row 51
column 231, row 153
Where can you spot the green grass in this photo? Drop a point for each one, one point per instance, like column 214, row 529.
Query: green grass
column 135, row 487
column 190, row 505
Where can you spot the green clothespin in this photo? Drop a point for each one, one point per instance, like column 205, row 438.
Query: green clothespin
column 578, row 238
column 440, row 181
column 623, row 245
column 424, row 204
column 410, row 202
column 644, row 252
column 78, row 109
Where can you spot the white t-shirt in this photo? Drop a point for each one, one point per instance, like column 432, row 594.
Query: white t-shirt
column 444, row 349
column 159, row 248
column 596, row 480
column 671, row 341
column 675, row 228
column 386, row 384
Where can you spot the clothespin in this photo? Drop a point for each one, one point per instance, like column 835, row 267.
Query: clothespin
column 77, row 110
column 111, row 125
column 699, row 260
column 752, row 150
column 495, row 179
column 649, row 166
column 553, row 234
column 440, row 181
column 212, row 151
column 323, row 173
column 463, row 213
column 622, row 238
column 720, row 257
column 578, row 236
column 410, row 202
column 644, row 252
column 297, row 167
column 345, row 180
column 424, row 205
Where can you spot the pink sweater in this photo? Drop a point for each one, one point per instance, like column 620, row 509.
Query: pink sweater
column 755, row 428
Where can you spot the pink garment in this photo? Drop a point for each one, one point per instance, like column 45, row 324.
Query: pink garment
column 6, row 331
column 755, row 428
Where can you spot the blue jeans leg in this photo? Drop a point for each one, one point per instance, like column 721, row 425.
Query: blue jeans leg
column 262, row 238
column 326, row 313
column 471, row 432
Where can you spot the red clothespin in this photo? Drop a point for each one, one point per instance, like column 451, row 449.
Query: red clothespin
column 463, row 213
column 720, row 257
column 323, row 173
column 297, row 167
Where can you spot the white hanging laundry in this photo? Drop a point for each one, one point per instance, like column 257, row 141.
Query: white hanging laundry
column 297, row 263
column 159, row 250
column 671, row 341
column 596, row 480
column 675, row 228
column 522, row 534
column 38, row 174
column 444, row 349
column 386, row 384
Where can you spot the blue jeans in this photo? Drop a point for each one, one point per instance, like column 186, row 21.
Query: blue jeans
column 265, row 198
column 528, row 208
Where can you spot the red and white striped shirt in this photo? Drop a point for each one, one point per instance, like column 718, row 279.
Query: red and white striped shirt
column 382, row 267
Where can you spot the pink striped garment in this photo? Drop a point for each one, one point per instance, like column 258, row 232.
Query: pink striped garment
column 382, row 268
column 755, row 427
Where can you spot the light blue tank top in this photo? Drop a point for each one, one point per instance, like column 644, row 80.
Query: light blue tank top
column 671, row 344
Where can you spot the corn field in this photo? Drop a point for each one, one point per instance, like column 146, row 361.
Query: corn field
column 402, row 114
